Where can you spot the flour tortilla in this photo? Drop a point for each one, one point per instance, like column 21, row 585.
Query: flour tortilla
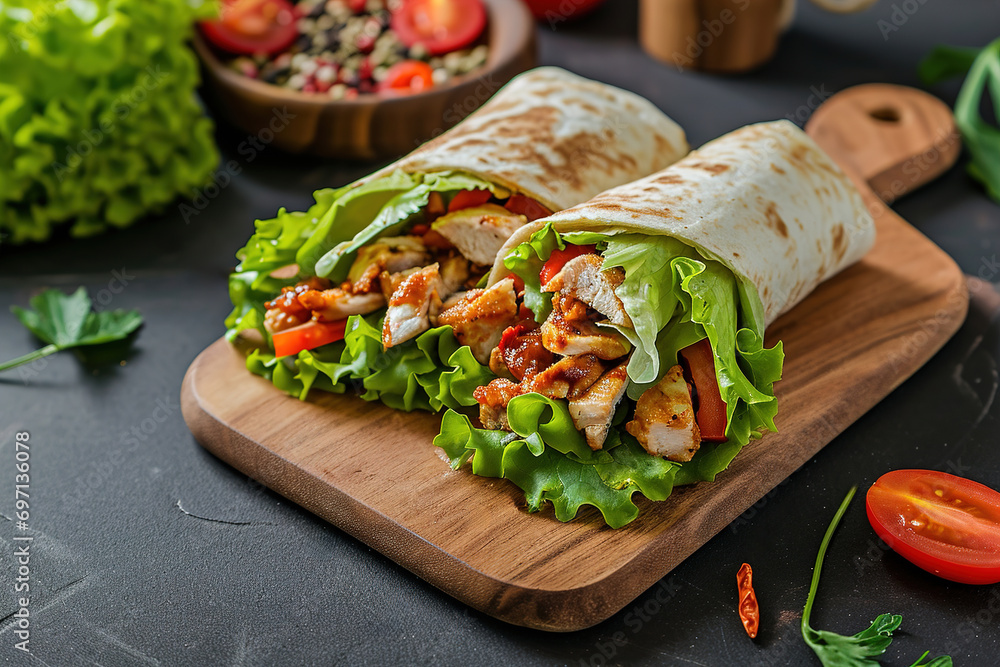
column 556, row 137
column 764, row 200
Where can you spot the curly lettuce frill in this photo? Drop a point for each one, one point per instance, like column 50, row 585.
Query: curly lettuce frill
column 99, row 122
column 549, row 460
column 430, row 372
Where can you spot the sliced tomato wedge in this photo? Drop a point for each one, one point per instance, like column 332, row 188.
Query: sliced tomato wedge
column 468, row 199
column 711, row 413
column 407, row 77
column 527, row 207
column 947, row 525
column 440, row 25
column 307, row 336
column 248, row 27
column 558, row 259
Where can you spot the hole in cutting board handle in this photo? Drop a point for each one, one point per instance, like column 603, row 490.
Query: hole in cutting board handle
column 885, row 114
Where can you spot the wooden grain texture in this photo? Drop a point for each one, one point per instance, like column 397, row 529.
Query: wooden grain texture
column 371, row 126
column 373, row 472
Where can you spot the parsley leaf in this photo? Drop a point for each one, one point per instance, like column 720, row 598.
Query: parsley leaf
column 836, row 650
column 67, row 321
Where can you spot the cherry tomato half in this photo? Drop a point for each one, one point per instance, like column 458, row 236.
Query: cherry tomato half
column 253, row 26
column 440, row 25
column 558, row 259
column 407, row 77
column 307, row 337
column 947, row 525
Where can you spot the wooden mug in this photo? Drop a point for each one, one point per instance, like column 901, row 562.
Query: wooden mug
column 713, row 35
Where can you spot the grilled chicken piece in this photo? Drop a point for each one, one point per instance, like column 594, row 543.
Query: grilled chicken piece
column 390, row 282
column 454, row 300
column 286, row 311
column 493, row 400
column 570, row 377
column 593, row 410
column 569, row 337
column 392, row 254
column 336, row 304
column 454, row 272
column 407, row 315
column 664, row 422
column 481, row 316
column 498, row 366
column 479, row 232
column 582, row 278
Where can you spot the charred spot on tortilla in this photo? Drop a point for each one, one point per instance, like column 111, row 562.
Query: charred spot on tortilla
column 776, row 169
column 468, row 142
column 669, row 179
column 774, row 220
column 583, row 104
column 535, row 123
column 838, row 241
column 710, row 168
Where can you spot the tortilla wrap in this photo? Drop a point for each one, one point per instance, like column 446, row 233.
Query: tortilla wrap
column 556, row 137
column 764, row 200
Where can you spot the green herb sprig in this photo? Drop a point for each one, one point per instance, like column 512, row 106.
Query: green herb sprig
column 836, row 650
column 68, row 321
column 982, row 139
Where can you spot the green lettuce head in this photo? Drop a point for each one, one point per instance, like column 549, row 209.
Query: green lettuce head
column 99, row 124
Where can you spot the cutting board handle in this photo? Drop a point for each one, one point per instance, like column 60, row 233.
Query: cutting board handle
column 892, row 138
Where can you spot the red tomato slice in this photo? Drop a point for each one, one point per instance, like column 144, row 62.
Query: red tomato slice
column 527, row 207
column 711, row 414
column 947, row 525
column 253, row 26
column 558, row 259
column 307, row 336
column 440, row 25
column 468, row 199
column 407, row 77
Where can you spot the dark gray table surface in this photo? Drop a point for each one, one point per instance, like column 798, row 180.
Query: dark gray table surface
column 148, row 550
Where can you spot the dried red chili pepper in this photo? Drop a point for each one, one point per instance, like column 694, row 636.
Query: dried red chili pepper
column 749, row 611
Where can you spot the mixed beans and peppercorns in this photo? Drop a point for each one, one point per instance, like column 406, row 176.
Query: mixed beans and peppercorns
column 345, row 48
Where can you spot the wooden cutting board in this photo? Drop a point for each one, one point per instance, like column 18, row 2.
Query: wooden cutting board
column 373, row 472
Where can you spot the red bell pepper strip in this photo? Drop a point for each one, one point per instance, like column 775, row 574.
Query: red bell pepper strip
column 307, row 336
column 527, row 207
column 468, row 199
column 711, row 414
column 558, row 259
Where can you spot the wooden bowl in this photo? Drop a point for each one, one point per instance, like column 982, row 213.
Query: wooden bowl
column 370, row 126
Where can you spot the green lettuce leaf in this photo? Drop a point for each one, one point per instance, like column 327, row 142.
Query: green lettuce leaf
column 384, row 207
column 99, row 122
column 606, row 480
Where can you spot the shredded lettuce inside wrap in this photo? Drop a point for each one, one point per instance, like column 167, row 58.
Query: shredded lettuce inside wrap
column 429, row 372
column 675, row 297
